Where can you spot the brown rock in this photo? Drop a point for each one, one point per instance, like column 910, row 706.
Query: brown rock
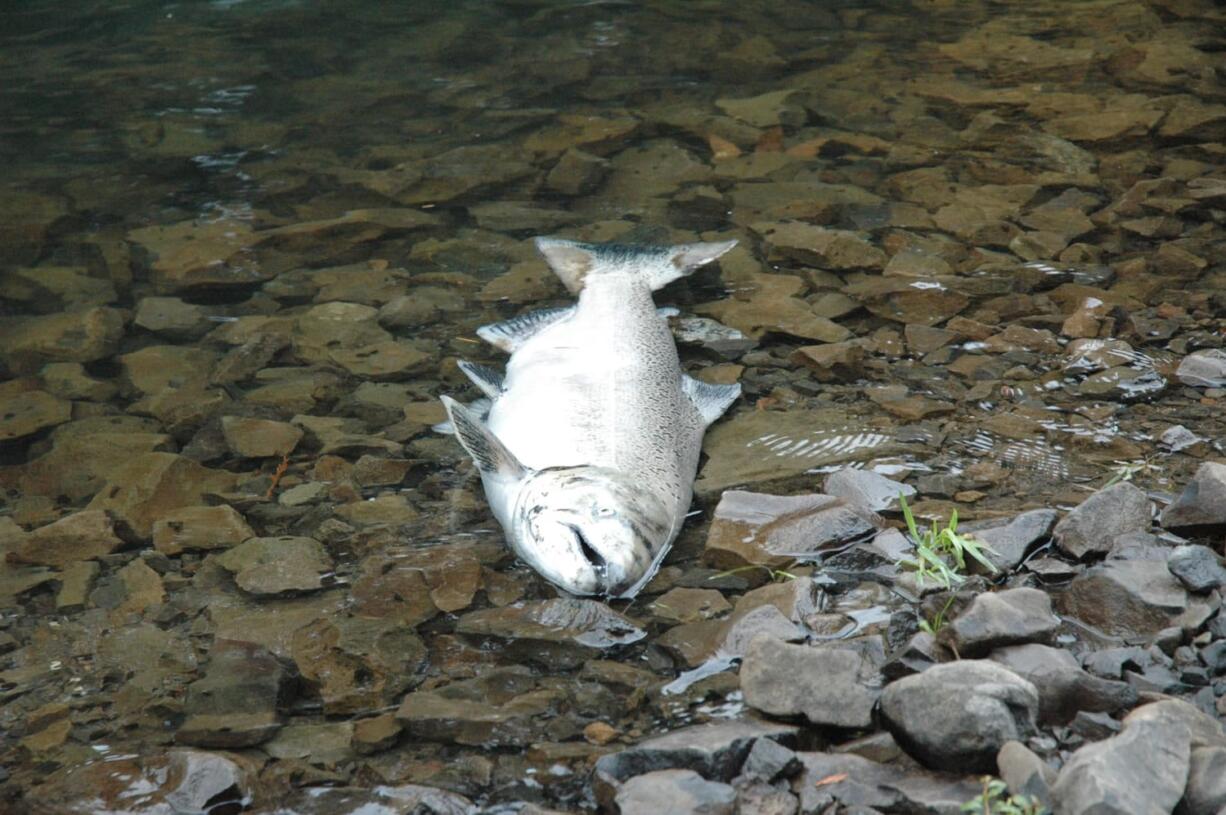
column 25, row 413
column 259, row 438
column 149, row 486
column 833, row 361
column 200, row 528
column 28, row 343
column 80, row 536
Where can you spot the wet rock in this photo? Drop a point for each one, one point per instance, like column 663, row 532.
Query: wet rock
column 769, row 760
column 139, row 587
column 684, row 605
column 500, row 707
column 327, row 743
column 1127, row 598
column 958, row 715
column 191, row 254
column 819, row 246
column 858, row 784
column 356, row 663
column 1202, row 502
column 716, row 750
column 236, row 703
column 271, row 566
column 1093, row 525
column 1064, row 688
column 68, row 380
column 27, row 412
column 1142, row 770
column 75, row 583
column 1012, row 542
column 770, row 530
column 172, row 318
column 765, row 110
column 576, row 173
column 833, row 361
column 200, row 528
column 908, row 301
column 259, row 438
column 518, row 216
column 28, row 343
column 711, row 334
column 562, row 631
column 81, row 536
column 1206, row 788
column 997, row 619
column 1025, row 773
column 1203, row 369
column 829, row 686
column 680, row 791
column 376, row 734
column 150, row 486
column 384, row 798
column 1197, row 567
column 770, row 302
column 384, row 360
column 867, row 489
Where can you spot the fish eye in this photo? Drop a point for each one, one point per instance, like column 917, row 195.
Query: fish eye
column 605, row 512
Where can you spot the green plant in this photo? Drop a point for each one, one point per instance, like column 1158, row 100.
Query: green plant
column 934, row 545
column 938, row 621
column 777, row 575
column 1125, row 470
column 992, row 801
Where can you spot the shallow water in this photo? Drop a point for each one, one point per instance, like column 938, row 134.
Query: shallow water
column 960, row 191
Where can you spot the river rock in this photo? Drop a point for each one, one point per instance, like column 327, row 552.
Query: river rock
column 271, row 566
column 684, row 792
column 81, row 536
column 1093, row 525
column 861, row 785
column 193, row 254
column 770, row 302
column 830, row 686
column 1141, row 771
column 1197, row 567
column 28, row 343
column 1064, row 688
column 259, row 438
column 502, row 707
column 378, row 800
column 563, row 631
column 151, row 485
column 685, row 605
column 866, row 489
column 956, row 716
column 172, row 318
column 1202, row 502
column 1025, row 773
column 819, row 246
column 1203, row 369
column 997, row 619
column 1206, row 789
column 772, row 530
column 1011, row 543
column 1125, row 598
column 200, row 528
column 27, row 412
column 236, row 703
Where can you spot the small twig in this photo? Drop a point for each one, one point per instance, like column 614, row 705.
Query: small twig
column 276, row 476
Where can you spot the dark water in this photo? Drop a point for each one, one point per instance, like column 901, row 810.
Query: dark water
column 287, row 210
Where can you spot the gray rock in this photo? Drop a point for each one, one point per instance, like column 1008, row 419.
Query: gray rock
column 859, row 784
column 829, row 686
column 381, row 799
column 563, row 631
column 1025, row 772
column 1197, row 567
column 1093, row 525
column 1203, row 730
column 681, row 791
column 1202, row 502
column 761, row 798
column 1094, row 726
column 1003, row 618
column 1203, row 369
column 1012, row 542
column 866, row 489
column 769, row 760
column 1110, row 663
column 1139, row 546
column 1205, row 793
column 1125, row 598
column 916, row 655
column 236, row 703
column 1142, row 771
column 956, row 716
column 1064, row 688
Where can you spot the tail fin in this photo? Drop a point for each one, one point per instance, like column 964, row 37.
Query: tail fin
column 656, row 265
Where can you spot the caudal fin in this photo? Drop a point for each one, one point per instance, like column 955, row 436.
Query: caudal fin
column 573, row 262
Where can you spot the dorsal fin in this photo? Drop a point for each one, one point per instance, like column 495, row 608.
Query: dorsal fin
column 483, row 376
column 510, row 334
column 489, row 454
column 711, row 400
column 656, row 266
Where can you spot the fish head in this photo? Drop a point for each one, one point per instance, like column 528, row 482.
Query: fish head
column 590, row 530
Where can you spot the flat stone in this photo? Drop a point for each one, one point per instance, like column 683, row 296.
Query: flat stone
column 1064, row 688
column 200, row 529
column 1094, row 524
column 1009, row 545
column 997, row 619
column 28, row 343
column 769, row 302
column 1125, row 598
column 68, row 380
column 383, row 361
column 866, row 489
column 840, row 781
column 236, row 703
column 328, row 744
column 566, row 629
column 271, row 566
column 1203, row 369
column 208, row 253
column 820, row 246
column 499, row 708
column 957, row 716
column 26, row 413
column 836, row 361
column 1197, row 567
column 150, row 486
column 76, row 580
column 172, row 318
column 829, row 686
column 376, row 733
column 685, row 605
column 259, row 438
column 384, row 798
column 1142, row 770
column 81, row 536
column 1202, row 502
column 684, row 792
column 770, row 530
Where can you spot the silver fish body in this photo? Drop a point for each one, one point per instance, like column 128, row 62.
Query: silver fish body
column 590, row 445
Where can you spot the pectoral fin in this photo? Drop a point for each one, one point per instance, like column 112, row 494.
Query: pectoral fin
column 489, row 454
column 510, row 334
column 711, row 400
column 484, row 377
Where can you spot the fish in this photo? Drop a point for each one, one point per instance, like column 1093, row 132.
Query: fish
column 589, row 442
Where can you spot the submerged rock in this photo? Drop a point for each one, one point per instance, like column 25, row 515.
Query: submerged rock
column 1203, row 369
column 562, row 631
column 958, row 715
column 80, row 536
column 236, row 703
column 857, row 783
column 150, row 486
column 272, row 566
column 502, row 707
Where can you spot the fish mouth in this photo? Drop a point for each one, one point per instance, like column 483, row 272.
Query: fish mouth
column 593, row 557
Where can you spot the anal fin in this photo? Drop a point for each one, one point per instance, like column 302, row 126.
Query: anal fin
column 478, row 407
column 510, row 334
column 489, row 454
column 711, row 400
